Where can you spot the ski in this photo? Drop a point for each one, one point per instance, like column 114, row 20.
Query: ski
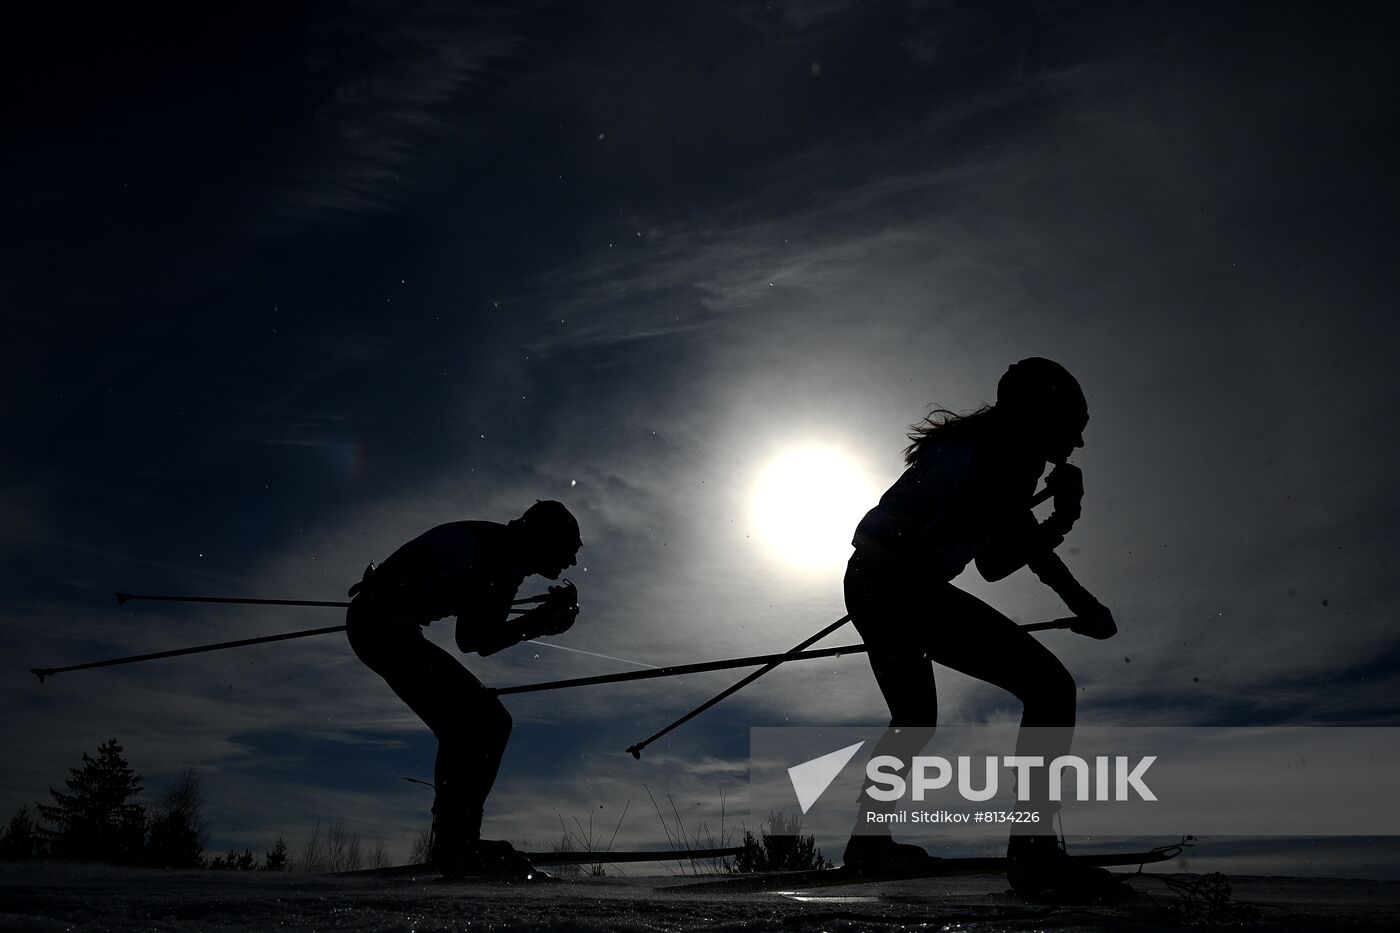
column 563, row 858
column 935, row 868
column 428, row 872
column 643, row 855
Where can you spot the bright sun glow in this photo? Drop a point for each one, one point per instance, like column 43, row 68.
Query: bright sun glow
column 805, row 504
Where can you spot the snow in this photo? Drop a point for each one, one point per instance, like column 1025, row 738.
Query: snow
column 46, row 896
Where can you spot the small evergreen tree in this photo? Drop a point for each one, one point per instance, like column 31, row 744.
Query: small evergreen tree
column 19, row 841
column 234, row 861
column 278, row 857
column 94, row 820
column 178, row 830
column 781, row 848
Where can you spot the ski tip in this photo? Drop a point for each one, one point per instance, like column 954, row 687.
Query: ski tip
column 122, row 598
column 636, row 752
column 41, row 672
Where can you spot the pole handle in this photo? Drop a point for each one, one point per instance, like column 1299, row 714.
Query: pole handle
column 1067, row 622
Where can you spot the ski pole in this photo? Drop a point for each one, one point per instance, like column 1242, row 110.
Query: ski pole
column 239, row 600
column 797, row 653
column 772, row 660
column 636, row 750
column 676, row 670
column 42, row 672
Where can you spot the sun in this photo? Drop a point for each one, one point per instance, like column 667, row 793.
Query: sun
column 805, row 504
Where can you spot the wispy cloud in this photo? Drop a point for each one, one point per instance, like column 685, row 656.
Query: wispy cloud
column 385, row 71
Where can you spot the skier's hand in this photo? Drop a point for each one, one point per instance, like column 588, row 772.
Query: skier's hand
column 563, row 604
column 1066, row 482
column 1094, row 621
column 565, row 595
column 556, row 614
column 1067, row 485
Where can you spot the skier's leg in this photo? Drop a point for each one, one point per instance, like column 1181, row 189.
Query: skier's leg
column 469, row 754
column 905, row 679
column 472, row 727
column 979, row 641
column 985, row 644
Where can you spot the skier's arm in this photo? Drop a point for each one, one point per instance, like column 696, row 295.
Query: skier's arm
column 552, row 617
column 487, row 640
column 1092, row 617
column 484, row 624
column 1016, row 542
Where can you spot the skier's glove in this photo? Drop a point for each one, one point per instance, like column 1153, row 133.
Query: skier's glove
column 563, row 601
column 555, row 615
column 1094, row 620
column 1066, row 482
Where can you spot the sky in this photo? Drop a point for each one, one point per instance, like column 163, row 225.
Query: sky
column 285, row 285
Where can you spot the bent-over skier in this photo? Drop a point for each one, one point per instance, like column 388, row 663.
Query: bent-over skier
column 966, row 496
column 471, row 570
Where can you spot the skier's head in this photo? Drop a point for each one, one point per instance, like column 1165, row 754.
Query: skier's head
column 1045, row 405
column 550, row 537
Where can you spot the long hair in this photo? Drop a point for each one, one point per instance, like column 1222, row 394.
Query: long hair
column 943, row 424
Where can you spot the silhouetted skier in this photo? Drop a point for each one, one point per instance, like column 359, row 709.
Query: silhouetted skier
column 966, row 496
column 471, row 570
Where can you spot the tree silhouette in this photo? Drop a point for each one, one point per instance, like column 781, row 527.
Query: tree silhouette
column 178, row 830
column 19, row 840
column 235, row 862
column 278, row 857
column 93, row 821
column 781, row 848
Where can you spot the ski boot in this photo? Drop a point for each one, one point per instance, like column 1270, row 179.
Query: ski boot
column 499, row 860
column 881, row 853
column 492, row 859
column 1039, row 868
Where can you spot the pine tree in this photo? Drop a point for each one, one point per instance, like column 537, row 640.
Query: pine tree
column 278, row 857
column 94, row 820
column 19, row 842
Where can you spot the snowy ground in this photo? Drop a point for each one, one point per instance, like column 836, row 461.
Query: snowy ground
column 58, row 897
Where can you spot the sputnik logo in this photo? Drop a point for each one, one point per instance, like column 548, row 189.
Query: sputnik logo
column 811, row 778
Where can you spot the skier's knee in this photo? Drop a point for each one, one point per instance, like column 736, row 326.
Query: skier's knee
column 1060, row 691
column 497, row 722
